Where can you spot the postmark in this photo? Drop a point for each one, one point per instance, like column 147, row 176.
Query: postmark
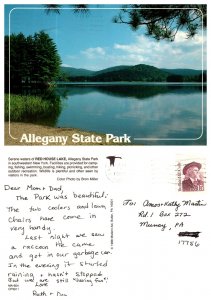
column 115, row 168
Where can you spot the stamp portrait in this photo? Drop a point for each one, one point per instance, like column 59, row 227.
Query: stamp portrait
column 191, row 176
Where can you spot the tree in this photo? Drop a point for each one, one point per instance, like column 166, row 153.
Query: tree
column 55, row 8
column 175, row 78
column 15, row 60
column 30, row 61
column 160, row 21
column 46, row 59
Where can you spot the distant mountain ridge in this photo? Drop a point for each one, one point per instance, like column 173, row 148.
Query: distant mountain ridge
column 76, row 72
column 140, row 72
column 183, row 72
column 84, row 72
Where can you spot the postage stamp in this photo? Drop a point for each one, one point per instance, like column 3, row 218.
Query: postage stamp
column 191, row 175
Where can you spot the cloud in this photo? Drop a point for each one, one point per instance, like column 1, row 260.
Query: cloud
column 182, row 53
column 134, row 48
column 181, row 37
column 65, row 65
column 92, row 52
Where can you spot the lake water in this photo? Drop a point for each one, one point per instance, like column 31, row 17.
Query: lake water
column 152, row 114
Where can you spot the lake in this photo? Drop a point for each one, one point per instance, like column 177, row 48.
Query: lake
column 152, row 113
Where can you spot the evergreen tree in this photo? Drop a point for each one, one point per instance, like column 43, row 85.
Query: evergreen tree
column 15, row 60
column 30, row 61
column 47, row 61
column 160, row 21
column 6, row 64
column 164, row 21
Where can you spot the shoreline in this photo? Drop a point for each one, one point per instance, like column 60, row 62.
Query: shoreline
column 131, row 83
column 17, row 129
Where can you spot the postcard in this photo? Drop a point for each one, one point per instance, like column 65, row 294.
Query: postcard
column 105, row 74
column 126, row 213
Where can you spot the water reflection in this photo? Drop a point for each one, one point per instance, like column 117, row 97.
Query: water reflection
column 135, row 91
column 164, row 112
column 54, row 108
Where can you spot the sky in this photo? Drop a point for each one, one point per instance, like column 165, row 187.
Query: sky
column 94, row 42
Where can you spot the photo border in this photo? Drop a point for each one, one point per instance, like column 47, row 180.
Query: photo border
column 117, row 8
